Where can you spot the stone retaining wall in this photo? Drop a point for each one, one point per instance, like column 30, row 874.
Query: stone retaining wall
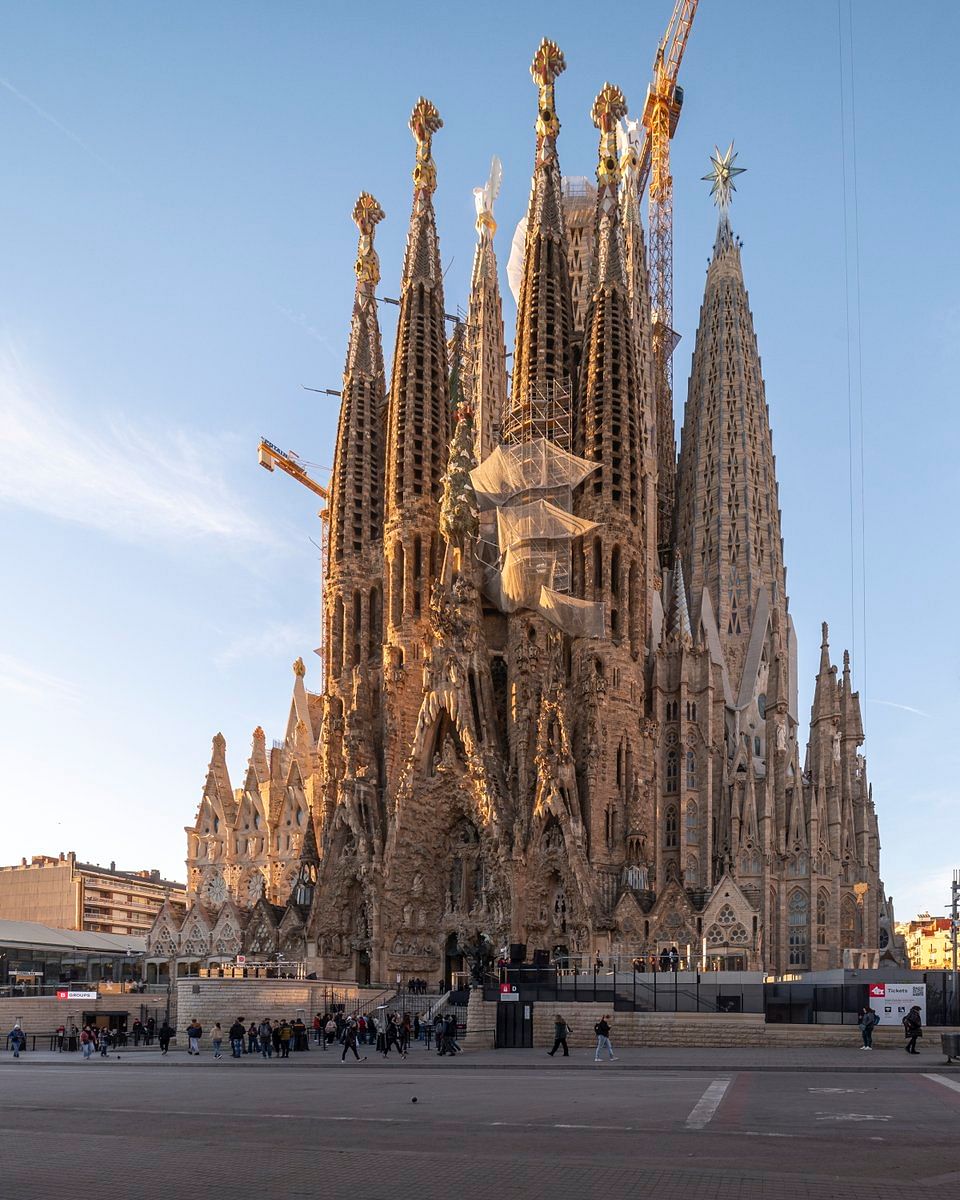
column 42, row 1014
column 697, row 1029
column 223, row 1000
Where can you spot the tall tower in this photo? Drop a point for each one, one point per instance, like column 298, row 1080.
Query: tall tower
column 638, row 283
column 352, row 740
column 613, row 566
column 543, row 366
column 728, row 510
column 354, row 597
column 418, row 435
column 486, row 361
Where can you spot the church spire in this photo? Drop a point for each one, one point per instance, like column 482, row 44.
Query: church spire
column 418, row 416
column 543, row 370
column 486, row 361
column 608, row 421
column 356, row 501
column 728, row 509
column 418, row 438
column 678, row 614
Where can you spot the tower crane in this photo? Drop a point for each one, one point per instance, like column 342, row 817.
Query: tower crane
column 661, row 112
column 270, row 457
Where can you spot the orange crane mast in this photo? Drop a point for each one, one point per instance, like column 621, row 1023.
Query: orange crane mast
column 661, row 112
column 270, row 457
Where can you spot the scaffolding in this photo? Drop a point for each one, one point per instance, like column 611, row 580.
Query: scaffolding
column 546, row 411
column 524, row 492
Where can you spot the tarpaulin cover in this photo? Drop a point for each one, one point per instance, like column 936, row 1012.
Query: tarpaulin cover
column 537, row 465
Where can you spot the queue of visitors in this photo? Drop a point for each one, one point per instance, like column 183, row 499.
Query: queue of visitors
column 386, row 1032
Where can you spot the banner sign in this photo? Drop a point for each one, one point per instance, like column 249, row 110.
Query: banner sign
column 892, row 1001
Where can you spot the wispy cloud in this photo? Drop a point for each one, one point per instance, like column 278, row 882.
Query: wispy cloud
column 271, row 641
column 109, row 474
column 28, row 682
column 59, row 125
column 903, row 707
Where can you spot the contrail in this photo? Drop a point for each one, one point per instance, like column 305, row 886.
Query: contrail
column 904, row 707
column 52, row 120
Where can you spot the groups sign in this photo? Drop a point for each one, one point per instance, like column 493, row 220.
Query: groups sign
column 892, row 1001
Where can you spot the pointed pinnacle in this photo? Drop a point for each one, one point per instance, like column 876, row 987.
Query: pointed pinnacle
column 548, row 63
column 425, row 120
column 608, row 108
column 367, row 213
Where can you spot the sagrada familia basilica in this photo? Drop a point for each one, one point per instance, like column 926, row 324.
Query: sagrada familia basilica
column 560, row 705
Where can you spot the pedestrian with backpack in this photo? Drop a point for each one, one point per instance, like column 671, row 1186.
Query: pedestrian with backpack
column 560, row 1031
column 602, row 1030
column 912, row 1029
column 867, row 1020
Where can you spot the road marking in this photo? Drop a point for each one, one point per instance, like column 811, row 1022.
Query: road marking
column 838, row 1091
column 758, row 1133
column 854, row 1116
column 950, row 1083
column 708, row 1104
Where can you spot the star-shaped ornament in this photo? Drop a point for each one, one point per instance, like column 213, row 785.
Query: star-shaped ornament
column 721, row 176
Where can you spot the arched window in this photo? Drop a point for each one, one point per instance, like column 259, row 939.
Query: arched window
column 374, row 631
column 851, row 924
column 691, row 823
column 336, row 650
column 673, row 771
column 671, row 830
column 798, row 919
column 821, row 918
column 396, row 586
column 691, row 873
column 691, row 769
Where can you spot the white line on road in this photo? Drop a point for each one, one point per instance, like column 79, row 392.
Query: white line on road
column 950, row 1083
column 708, row 1104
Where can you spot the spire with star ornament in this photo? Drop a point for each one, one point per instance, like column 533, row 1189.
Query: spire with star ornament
column 728, row 502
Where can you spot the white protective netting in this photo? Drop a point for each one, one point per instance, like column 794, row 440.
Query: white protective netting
column 534, row 466
column 529, row 485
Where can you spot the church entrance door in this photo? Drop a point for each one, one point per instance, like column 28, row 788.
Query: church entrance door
column 452, row 963
column 363, row 968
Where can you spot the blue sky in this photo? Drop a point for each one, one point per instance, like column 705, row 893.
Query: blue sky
column 177, row 250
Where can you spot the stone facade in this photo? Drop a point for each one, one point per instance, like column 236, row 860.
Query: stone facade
column 537, row 726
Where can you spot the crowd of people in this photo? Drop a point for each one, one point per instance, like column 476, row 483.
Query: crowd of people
column 386, row 1033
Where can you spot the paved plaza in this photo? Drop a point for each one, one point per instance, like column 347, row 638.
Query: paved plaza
column 666, row 1123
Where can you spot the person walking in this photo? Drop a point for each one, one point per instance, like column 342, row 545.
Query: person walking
column 103, row 1041
column 164, row 1034
column 137, row 1031
column 602, row 1030
column 317, row 1029
column 237, row 1032
column 866, row 1021
column 253, row 1041
column 330, row 1031
column 86, row 1041
column 275, row 1038
column 912, row 1029
column 560, row 1031
column 61, row 1036
column 17, row 1039
column 194, row 1034
column 216, row 1039
column 350, row 1042
column 405, row 1032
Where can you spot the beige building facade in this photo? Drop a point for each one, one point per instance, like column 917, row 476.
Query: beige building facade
column 538, row 728
column 929, row 942
column 67, row 894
